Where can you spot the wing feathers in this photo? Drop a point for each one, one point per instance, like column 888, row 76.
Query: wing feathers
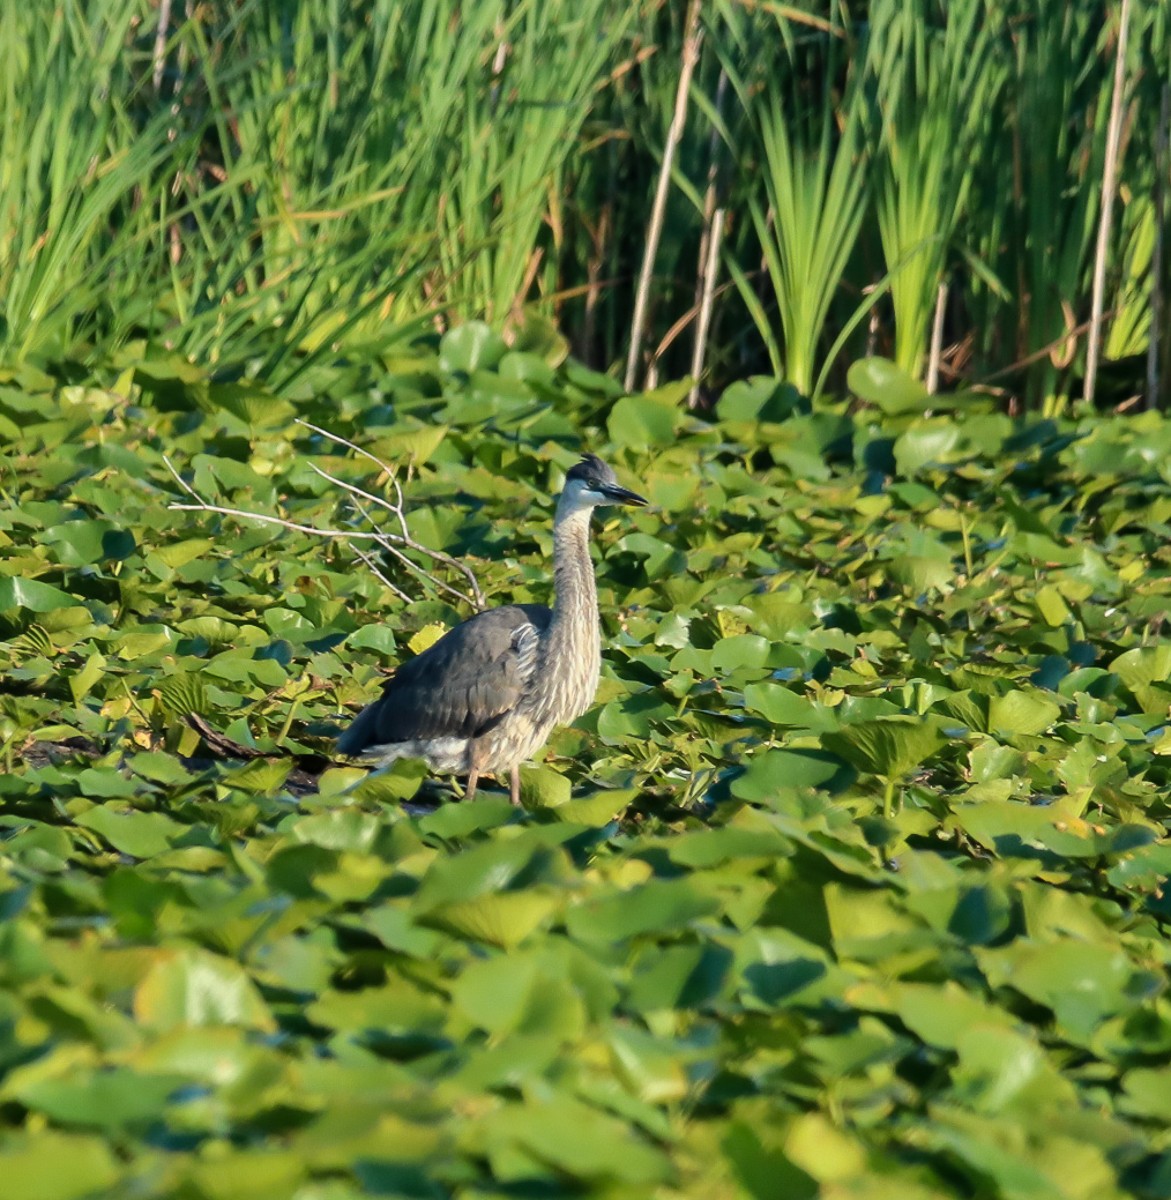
column 459, row 687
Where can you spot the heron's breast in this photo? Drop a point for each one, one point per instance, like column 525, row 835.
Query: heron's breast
column 565, row 683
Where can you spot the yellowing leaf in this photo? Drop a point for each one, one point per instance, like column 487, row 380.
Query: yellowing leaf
column 194, row 987
column 427, row 636
column 503, row 918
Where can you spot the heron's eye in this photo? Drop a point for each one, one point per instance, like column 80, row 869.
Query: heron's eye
column 594, row 484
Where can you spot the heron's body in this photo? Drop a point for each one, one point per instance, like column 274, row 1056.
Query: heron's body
column 487, row 695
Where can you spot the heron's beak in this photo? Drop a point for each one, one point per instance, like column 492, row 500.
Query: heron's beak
column 621, row 495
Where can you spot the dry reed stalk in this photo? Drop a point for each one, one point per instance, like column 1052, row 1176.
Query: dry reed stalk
column 692, row 37
column 1109, row 182
column 710, row 270
column 936, row 340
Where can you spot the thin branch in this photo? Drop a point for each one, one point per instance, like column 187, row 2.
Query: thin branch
column 692, row 37
column 1070, row 336
column 398, row 509
column 396, row 552
column 354, row 490
column 341, row 441
column 1109, row 180
column 372, row 565
column 393, row 544
column 179, row 478
column 684, row 320
column 243, row 514
column 707, row 261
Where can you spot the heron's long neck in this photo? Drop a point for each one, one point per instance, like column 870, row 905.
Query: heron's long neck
column 573, row 654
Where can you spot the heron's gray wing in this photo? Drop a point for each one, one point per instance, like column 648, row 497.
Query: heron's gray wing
column 458, row 687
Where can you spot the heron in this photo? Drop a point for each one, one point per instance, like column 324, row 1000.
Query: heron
column 484, row 697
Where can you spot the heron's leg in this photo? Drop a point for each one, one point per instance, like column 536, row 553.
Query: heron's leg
column 514, row 785
column 475, row 764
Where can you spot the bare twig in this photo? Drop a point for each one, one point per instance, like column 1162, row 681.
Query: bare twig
column 679, row 328
column 404, row 538
column 221, row 744
column 692, row 37
column 1109, row 179
column 342, row 535
column 341, row 441
column 354, row 490
column 372, row 564
column 395, row 544
column 1069, row 337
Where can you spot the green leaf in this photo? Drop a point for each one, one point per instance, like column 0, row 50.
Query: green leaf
column 633, row 716
column 250, row 402
column 81, row 682
column 775, row 772
column 1141, row 670
column 16, row 592
column 81, row 543
column 52, row 1166
column 488, row 868
column 928, row 443
column 1148, row 1093
column 1082, row 982
column 660, row 906
column 341, row 829
column 457, row 820
column 1052, row 607
column 505, row 919
column 760, row 398
column 260, row 777
column 741, row 650
column 643, row 421
column 494, row 993
column 890, row 746
column 104, row 1099
column 193, row 987
column 597, row 810
column 780, row 706
column 578, row 1140
column 470, row 347
column 138, row 834
column 261, row 1174
column 880, row 382
column 1022, row 712
column 762, row 1170
column 542, row 787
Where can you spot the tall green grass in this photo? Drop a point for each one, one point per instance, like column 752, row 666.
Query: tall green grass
column 1054, row 144
column 77, row 159
column 502, row 223
column 333, row 125
column 935, row 82
column 324, row 178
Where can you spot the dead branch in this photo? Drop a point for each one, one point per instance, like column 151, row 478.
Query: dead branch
column 395, row 543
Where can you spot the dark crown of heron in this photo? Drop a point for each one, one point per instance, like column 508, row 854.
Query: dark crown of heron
column 591, row 471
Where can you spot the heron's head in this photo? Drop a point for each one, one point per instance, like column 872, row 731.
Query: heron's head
column 592, row 483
